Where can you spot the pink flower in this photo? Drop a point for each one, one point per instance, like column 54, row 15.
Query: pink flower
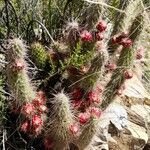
column 101, row 26
column 140, row 53
column 95, row 112
column 119, row 92
column 40, row 99
column 37, row 121
column 93, row 97
column 99, row 36
column 48, row 143
column 126, row 42
column 74, row 129
column 37, row 130
column 83, row 117
column 18, row 65
column 28, row 109
column 77, row 93
column 128, row 74
column 25, row 126
column 86, row 36
column 111, row 66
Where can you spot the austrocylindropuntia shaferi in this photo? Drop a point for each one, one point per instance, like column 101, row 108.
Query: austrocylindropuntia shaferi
column 39, row 55
column 89, row 121
column 61, row 81
column 62, row 125
column 16, row 71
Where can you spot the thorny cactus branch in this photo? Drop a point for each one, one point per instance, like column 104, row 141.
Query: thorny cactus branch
column 125, row 20
column 39, row 55
column 125, row 62
column 16, row 71
column 61, row 126
column 88, row 132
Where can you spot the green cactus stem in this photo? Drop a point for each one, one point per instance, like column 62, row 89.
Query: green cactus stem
column 39, row 55
column 131, row 10
column 61, row 120
column 125, row 62
column 87, row 134
column 17, row 78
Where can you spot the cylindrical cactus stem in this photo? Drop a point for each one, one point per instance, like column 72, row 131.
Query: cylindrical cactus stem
column 125, row 62
column 94, row 12
column 119, row 15
column 39, row 55
column 96, row 66
column 87, row 134
column 125, row 20
column 62, row 125
column 89, row 129
column 16, row 72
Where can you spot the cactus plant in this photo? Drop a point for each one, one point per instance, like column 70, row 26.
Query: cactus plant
column 62, row 123
column 79, row 71
column 16, row 71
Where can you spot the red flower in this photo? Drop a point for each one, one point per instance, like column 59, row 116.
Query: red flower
column 25, row 126
column 99, row 36
column 37, row 130
column 128, row 74
column 77, row 104
column 28, row 109
column 111, row 66
column 41, row 96
column 48, row 143
column 139, row 56
column 40, row 99
column 117, row 39
column 95, row 112
column 86, row 36
column 83, row 117
column 77, row 93
column 93, row 96
column 74, row 129
column 126, row 42
column 36, row 121
column 18, row 65
column 101, row 26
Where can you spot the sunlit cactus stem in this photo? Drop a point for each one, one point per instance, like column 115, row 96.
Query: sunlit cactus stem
column 61, row 121
column 125, row 62
column 39, row 55
column 87, row 134
column 16, row 72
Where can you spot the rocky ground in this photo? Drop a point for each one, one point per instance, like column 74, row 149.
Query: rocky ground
column 125, row 125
